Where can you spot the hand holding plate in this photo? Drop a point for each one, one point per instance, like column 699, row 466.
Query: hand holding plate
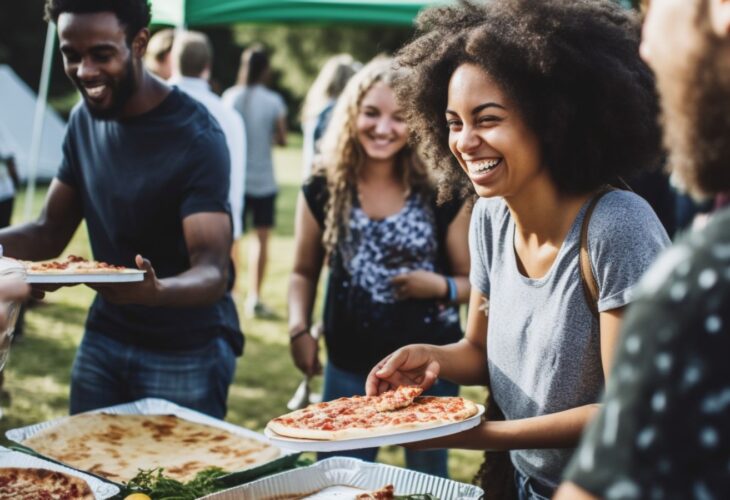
column 145, row 292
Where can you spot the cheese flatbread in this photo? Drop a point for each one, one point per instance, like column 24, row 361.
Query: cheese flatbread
column 117, row 446
column 42, row 484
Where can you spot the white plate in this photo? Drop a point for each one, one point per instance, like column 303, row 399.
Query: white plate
column 126, row 276
column 10, row 458
column 338, row 474
column 371, row 442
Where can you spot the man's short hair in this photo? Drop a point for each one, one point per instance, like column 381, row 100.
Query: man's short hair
column 192, row 53
column 134, row 15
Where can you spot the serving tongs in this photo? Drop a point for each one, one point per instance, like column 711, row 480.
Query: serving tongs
column 301, row 396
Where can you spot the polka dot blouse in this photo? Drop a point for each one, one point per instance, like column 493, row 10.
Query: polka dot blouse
column 664, row 429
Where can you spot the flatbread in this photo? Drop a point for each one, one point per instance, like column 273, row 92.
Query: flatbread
column 118, row 446
column 356, row 417
column 41, row 484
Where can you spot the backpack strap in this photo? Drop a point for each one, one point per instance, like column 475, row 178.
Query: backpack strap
column 590, row 285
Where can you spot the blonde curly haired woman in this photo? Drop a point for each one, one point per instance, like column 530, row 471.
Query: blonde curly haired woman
column 398, row 261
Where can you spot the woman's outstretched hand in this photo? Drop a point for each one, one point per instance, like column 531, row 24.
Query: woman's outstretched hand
column 411, row 365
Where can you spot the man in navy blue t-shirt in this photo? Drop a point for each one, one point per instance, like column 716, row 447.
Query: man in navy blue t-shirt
column 147, row 168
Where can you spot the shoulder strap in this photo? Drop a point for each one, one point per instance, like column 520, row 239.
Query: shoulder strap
column 590, row 285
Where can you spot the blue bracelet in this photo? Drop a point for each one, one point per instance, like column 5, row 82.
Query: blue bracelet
column 452, row 288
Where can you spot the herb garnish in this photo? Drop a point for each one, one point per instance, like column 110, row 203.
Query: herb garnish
column 158, row 487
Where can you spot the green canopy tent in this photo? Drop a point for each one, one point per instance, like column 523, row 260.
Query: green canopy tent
column 185, row 13
column 212, row 12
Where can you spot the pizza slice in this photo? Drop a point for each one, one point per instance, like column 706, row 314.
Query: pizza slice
column 400, row 398
column 387, row 492
column 34, row 484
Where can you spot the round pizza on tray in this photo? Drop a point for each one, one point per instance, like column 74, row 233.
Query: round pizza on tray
column 392, row 412
column 42, row 484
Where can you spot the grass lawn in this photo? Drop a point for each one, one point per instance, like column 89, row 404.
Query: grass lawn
column 37, row 374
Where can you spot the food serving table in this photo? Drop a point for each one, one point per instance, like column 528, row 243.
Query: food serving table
column 155, row 406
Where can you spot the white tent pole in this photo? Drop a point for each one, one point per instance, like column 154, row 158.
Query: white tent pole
column 38, row 120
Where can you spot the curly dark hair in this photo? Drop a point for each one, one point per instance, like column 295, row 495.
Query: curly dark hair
column 132, row 14
column 571, row 67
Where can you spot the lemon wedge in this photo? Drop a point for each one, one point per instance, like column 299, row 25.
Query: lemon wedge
column 137, row 496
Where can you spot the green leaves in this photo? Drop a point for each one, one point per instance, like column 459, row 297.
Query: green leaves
column 158, row 487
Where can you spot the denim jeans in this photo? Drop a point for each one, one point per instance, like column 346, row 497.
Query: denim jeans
column 530, row 489
column 340, row 383
column 107, row 372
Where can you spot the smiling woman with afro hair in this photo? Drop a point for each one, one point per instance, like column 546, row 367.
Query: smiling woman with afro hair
column 572, row 69
column 537, row 106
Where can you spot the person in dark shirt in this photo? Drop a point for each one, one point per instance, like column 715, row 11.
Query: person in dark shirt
column 664, row 430
column 147, row 168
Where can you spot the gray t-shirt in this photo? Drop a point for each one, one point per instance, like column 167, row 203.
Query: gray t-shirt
column 543, row 343
column 261, row 109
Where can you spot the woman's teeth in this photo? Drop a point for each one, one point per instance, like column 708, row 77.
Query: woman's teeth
column 484, row 166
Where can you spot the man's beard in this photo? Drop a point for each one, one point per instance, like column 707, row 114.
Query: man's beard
column 696, row 117
column 121, row 90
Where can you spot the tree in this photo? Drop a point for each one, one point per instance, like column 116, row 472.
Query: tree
column 299, row 51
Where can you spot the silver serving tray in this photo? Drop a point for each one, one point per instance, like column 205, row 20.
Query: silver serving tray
column 339, row 473
column 155, row 406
